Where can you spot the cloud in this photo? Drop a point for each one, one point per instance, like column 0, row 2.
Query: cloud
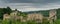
column 31, row 1
column 31, row 5
column 3, row 3
column 38, row 5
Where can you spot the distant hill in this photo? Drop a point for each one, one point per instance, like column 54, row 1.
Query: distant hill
column 45, row 12
column 58, row 13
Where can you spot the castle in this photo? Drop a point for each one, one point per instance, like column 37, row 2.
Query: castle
column 34, row 16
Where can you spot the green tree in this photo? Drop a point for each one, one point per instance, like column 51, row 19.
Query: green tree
column 9, row 10
column 4, row 11
column 1, row 13
column 58, row 13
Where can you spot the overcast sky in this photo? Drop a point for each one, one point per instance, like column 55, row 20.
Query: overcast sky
column 30, row 5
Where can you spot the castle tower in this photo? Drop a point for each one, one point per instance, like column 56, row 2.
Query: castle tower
column 52, row 16
column 14, row 12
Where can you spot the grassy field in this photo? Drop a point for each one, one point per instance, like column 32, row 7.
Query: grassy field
column 28, row 22
column 57, row 22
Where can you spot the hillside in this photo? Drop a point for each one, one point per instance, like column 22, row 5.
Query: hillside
column 45, row 12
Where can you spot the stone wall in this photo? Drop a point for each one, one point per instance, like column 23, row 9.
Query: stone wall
column 6, row 17
column 36, row 16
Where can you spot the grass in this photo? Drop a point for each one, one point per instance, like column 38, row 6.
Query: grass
column 17, row 22
column 28, row 22
column 57, row 22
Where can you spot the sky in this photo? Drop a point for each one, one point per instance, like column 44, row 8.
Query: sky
column 30, row 5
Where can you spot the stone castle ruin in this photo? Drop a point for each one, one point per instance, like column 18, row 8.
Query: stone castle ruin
column 52, row 16
column 6, row 17
column 38, row 17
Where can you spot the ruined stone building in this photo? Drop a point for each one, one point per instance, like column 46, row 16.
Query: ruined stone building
column 6, row 17
column 35, row 16
column 38, row 17
column 52, row 16
column 14, row 13
column 13, row 16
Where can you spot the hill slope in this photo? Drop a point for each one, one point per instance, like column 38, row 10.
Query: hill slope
column 45, row 12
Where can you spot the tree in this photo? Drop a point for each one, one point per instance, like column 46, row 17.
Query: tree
column 4, row 11
column 58, row 13
column 16, row 10
column 1, row 13
column 9, row 10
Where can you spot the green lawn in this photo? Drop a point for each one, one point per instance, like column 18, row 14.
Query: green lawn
column 57, row 22
column 28, row 22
